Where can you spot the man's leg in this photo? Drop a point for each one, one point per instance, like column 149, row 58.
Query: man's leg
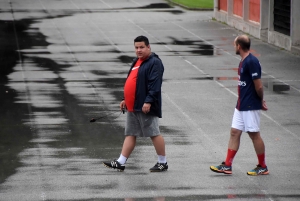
column 159, row 145
column 237, row 127
column 128, row 145
column 233, row 145
column 259, row 147
column 132, row 126
column 234, row 140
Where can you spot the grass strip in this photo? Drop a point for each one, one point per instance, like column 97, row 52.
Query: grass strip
column 196, row 4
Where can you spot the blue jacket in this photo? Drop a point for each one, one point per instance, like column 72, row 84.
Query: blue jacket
column 148, row 84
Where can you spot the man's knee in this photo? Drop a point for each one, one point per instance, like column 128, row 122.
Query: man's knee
column 254, row 135
column 154, row 138
column 235, row 132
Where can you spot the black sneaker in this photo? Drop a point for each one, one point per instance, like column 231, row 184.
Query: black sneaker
column 159, row 167
column 114, row 164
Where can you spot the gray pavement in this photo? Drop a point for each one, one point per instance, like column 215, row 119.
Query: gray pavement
column 65, row 62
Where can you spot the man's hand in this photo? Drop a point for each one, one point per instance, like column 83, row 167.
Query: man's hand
column 122, row 106
column 146, row 108
column 264, row 106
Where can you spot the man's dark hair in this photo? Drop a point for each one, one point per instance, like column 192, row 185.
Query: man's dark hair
column 142, row 39
column 244, row 42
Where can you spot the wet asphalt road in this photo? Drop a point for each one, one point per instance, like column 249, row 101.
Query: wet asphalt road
column 65, row 62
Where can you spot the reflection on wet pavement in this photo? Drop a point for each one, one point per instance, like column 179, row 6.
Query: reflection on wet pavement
column 54, row 86
column 60, row 97
column 199, row 47
column 163, row 7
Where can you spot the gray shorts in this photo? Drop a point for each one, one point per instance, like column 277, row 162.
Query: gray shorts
column 141, row 125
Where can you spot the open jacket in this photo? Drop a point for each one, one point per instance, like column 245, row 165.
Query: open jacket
column 148, row 84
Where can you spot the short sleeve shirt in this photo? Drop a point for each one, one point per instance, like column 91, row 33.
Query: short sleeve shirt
column 249, row 70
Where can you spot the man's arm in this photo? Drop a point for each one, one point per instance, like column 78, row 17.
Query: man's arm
column 259, row 88
column 154, row 82
column 260, row 92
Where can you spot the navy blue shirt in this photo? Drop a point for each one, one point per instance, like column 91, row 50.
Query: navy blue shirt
column 249, row 70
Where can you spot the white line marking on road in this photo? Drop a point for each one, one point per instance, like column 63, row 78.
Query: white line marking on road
column 136, row 2
column 267, row 194
column 150, row 34
column 74, row 5
column 106, row 4
column 282, row 81
column 201, row 71
column 107, row 38
column 189, row 119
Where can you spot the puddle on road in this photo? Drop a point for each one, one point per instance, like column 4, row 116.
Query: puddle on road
column 271, row 84
column 78, row 132
column 168, row 8
column 126, row 59
column 11, row 114
column 8, row 55
column 199, row 47
column 17, row 137
column 102, row 139
column 225, row 78
column 275, row 85
column 210, row 197
column 156, row 5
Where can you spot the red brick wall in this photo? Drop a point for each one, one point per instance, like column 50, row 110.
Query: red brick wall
column 254, row 10
column 223, row 5
column 238, row 7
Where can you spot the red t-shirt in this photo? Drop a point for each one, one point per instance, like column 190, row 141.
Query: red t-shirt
column 130, row 86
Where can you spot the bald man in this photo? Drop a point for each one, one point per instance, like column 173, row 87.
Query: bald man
column 246, row 116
